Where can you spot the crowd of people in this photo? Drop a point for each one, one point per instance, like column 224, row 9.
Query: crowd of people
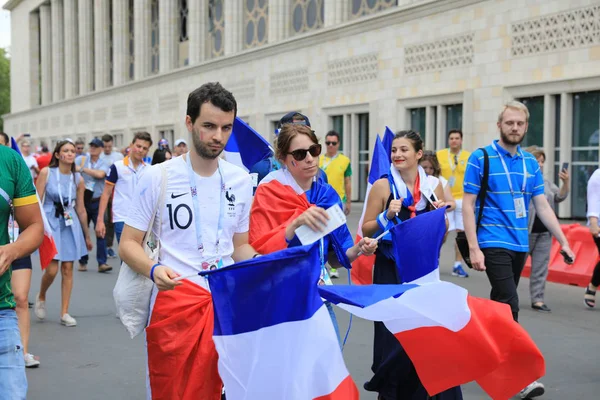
column 213, row 214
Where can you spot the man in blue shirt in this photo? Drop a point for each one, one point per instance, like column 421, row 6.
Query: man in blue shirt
column 268, row 165
column 500, row 245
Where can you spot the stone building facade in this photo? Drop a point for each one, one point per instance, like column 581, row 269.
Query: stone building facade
column 82, row 68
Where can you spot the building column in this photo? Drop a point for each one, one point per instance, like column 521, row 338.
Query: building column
column 566, row 144
column 141, row 26
column 58, row 48
column 120, row 25
column 197, row 30
column 34, row 59
column 430, row 132
column 549, row 134
column 71, row 49
column 440, row 141
column 234, row 20
column 168, row 34
column 46, row 53
column 279, row 20
column 335, row 12
column 86, row 46
column 101, row 44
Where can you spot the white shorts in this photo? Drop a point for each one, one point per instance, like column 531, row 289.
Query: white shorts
column 458, row 216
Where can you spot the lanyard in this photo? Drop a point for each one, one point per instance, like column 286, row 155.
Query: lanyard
column 330, row 161
column 70, row 188
column 456, row 157
column 508, row 174
column 194, row 193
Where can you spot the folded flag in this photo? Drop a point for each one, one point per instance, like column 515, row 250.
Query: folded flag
column 273, row 333
column 362, row 267
column 451, row 338
column 245, row 146
column 48, row 248
column 388, row 138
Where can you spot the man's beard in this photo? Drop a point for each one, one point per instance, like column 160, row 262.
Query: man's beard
column 202, row 148
column 508, row 139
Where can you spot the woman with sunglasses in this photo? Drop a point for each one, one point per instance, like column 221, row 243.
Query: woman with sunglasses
column 406, row 192
column 62, row 190
column 292, row 196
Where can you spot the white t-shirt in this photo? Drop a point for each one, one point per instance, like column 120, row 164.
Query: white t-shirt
column 178, row 244
column 31, row 163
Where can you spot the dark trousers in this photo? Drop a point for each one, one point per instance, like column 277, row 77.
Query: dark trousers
column 596, row 274
column 503, row 269
column 110, row 228
column 92, row 213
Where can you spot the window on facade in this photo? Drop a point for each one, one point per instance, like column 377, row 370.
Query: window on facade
column 586, row 132
column 131, row 39
column 337, row 122
column 418, row 121
column 154, row 38
column 256, row 15
column 535, row 130
column 359, row 8
column 117, row 139
column 454, row 117
column 169, row 134
column 556, row 100
column 216, row 28
column 363, row 155
column 307, row 15
column 183, row 33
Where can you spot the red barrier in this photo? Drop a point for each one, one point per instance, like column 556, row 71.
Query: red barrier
column 586, row 257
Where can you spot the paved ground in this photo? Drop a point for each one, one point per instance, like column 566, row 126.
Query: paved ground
column 97, row 360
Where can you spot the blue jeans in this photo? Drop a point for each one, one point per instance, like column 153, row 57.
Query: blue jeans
column 118, row 230
column 13, row 381
column 334, row 321
column 92, row 214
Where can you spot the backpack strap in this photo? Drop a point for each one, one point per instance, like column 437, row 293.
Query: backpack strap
column 484, row 186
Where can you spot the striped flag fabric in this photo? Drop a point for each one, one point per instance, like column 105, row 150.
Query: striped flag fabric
column 362, row 267
column 48, row 248
column 273, row 333
column 451, row 338
column 245, row 146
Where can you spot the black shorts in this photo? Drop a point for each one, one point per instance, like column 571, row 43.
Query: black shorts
column 22, row 263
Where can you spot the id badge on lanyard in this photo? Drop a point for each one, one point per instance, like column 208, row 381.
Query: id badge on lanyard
column 68, row 209
column 520, row 211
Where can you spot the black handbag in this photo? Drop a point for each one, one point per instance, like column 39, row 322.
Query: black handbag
column 461, row 238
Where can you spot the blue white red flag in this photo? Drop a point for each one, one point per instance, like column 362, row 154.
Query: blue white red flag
column 245, row 146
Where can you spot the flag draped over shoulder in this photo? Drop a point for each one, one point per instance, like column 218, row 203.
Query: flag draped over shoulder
column 362, row 267
column 48, row 248
column 273, row 333
column 279, row 201
column 451, row 337
column 245, row 146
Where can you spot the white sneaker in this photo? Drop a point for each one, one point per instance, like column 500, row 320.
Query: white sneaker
column 67, row 320
column 30, row 361
column 532, row 390
column 39, row 308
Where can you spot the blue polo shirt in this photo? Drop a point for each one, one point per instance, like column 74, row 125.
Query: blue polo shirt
column 499, row 225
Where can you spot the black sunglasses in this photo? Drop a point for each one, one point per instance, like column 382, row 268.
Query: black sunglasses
column 331, row 143
column 300, row 154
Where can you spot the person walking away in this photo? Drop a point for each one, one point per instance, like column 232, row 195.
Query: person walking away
column 62, row 189
column 540, row 239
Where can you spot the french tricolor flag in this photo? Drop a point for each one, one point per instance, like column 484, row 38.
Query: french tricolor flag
column 362, row 267
column 245, row 146
column 451, row 337
column 48, row 247
column 273, row 333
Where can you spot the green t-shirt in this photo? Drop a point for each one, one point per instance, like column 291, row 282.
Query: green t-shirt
column 16, row 184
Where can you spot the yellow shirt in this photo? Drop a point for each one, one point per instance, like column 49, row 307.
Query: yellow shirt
column 454, row 171
column 337, row 168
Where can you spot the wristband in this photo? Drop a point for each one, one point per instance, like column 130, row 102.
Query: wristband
column 152, row 271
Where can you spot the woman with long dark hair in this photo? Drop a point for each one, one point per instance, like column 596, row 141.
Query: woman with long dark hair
column 161, row 155
column 62, row 190
column 406, row 192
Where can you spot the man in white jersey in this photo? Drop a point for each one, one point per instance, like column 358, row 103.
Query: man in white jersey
column 202, row 224
column 122, row 177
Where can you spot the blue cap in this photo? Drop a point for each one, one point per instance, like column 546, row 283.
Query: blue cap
column 289, row 119
column 96, row 142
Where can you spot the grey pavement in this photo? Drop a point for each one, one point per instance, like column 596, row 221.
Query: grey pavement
column 98, row 360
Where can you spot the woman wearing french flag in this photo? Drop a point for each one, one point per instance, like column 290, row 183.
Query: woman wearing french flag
column 406, row 192
column 292, row 196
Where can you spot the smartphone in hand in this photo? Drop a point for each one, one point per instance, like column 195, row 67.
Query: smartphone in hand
column 565, row 166
column 568, row 260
